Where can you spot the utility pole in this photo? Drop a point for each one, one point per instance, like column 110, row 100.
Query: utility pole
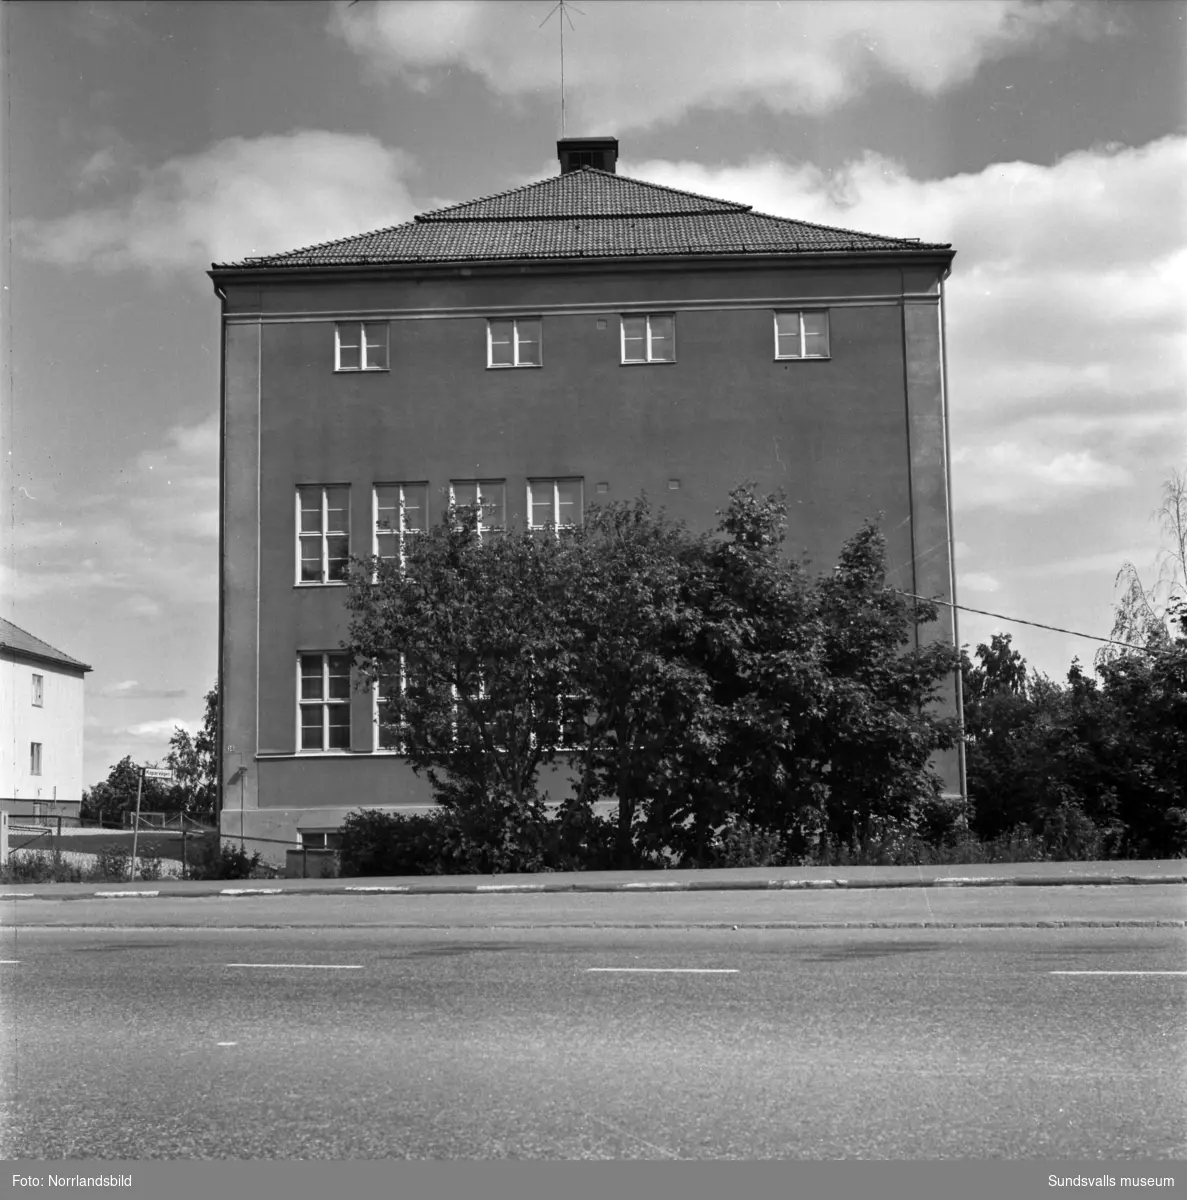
column 562, row 8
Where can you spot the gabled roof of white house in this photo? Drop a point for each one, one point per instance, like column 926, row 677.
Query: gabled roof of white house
column 15, row 640
column 588, row 213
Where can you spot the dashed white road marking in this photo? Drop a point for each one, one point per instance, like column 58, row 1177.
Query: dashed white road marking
column 250, row 891
column 226, row 1043
column 299, row 966
column 9, row 962
column 666, row 970
column 1117, row 972
column 110, row 895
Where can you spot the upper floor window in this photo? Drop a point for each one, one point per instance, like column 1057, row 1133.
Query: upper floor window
column 38, row 690
column 649, row 339
column 324, row 701
column 323, row 533
column 34, row 758
column 360, row 346
column 801, row 335
column 514, row 343
column 554, row 502
column 400, row 509
column 490, row 495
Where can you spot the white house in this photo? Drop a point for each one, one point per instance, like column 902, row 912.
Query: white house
column 41, row 718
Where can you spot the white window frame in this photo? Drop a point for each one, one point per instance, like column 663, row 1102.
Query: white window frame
column 38, row 690
column 326, row 703
column 35, row 758
column 554, row 483
column 800, row 314
column 324, row 534
column 479, row 484
column 647, row 318
column 401, row 533
column 359, row 328
column 376, row 700
column 491, row 365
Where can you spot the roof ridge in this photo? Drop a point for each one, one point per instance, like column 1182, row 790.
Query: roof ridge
column 437, row 213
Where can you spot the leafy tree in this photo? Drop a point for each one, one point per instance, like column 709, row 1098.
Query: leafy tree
column 1144, row 615
column 193, row 760
column 469, row 643
column 646, row 703
column 693, row 680
column 117, row 794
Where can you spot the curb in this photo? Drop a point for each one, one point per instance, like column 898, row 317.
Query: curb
column 694, row 885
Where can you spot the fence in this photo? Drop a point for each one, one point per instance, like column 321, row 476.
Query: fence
column 165, row 820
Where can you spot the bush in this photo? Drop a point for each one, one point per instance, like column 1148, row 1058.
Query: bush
column 740, row 844
column 110, row 866
column 38, row 866
column 495, row 839
column 214, row 860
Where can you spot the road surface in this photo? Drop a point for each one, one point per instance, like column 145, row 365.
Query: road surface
column 569, row 1042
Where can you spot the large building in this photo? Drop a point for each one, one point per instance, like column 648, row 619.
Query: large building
column 41, row 722
column 581, row 339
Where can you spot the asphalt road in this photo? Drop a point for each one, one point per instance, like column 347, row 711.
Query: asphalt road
column 593, row 1043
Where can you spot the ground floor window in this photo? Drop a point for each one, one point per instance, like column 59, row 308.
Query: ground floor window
column 324, row 705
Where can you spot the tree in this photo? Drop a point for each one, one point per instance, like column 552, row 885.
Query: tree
column 645, row 702
column 468, row 642
column 1144, row 615
column 690, row 679
column 117, row 794
column 194, row 762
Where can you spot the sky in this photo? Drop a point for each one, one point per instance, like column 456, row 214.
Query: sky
column 142, row 141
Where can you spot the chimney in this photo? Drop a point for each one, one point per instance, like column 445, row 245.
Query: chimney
column 575, row 153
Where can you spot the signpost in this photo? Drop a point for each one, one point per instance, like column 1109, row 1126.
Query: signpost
column 161, row 773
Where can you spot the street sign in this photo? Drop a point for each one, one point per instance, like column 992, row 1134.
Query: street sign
column 158, row 773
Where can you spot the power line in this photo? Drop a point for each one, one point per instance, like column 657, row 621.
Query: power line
column 1036, row 624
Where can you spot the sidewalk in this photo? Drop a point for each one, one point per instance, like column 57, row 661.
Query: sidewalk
column 989, row 875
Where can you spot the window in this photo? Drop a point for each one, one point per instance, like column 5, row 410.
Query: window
column 34, row 758
column 801, row 335
column 513, row 343
column 323, row 538
column 324, row 701
column 360, row 346
column 565, row 719
column 320, row 839
column 554, row 502
column 38, row 690
column 400, row 508
column 649, row 339
column 489, row 494
column 388, row 730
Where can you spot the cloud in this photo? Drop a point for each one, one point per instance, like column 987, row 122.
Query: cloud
column 977, row 581
column 629, row 66
column 238, row 198
column 155, row 730
column 151, row 545
column 130, row 689
column 1066, row 311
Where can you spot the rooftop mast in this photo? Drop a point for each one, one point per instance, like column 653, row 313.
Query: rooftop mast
column 562, row 7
